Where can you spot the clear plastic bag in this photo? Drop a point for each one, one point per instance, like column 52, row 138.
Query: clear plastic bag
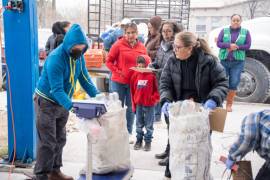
column 189, row 135
column 93, row 128
column 109, row 136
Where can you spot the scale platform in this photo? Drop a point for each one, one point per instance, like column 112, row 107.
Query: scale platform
column 124, row 175
column 88, row 109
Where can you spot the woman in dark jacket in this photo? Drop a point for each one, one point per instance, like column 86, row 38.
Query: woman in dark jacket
column 168, row 30
column 192, row 73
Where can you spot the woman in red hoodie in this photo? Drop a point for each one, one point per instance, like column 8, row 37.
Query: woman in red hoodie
column 121, row 58
column 145, row 95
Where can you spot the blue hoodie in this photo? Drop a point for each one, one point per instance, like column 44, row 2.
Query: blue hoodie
column 60, row 71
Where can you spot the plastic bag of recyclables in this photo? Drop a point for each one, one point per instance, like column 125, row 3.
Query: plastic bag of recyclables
column 189, row 135
column 109, row 137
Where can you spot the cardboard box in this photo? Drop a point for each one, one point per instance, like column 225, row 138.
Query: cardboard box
column 217, row 119
column 244, row 171
column 143, row 69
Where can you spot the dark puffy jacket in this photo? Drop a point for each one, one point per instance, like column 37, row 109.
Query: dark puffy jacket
column 50, row 44
column 162, row 57
column 210, row 80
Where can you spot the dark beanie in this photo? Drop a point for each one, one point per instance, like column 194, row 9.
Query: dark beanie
column 155, row 21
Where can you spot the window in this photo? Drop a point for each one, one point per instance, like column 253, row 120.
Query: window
column 200, row 28
column 216, row 22
column 201, row 34
column 201, row 24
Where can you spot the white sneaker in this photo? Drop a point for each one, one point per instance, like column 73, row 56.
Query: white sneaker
column 131, row 139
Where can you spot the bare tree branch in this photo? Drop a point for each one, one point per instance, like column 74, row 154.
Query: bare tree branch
column 54, row 5
column 252, row 8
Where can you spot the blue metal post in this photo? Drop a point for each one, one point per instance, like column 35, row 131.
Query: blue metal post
column 20, row 30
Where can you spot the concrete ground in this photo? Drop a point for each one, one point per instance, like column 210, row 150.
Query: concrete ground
column 144, row 162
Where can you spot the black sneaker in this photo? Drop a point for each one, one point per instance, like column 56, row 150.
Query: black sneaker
column 161, row 155
column 147, row 146
column 138, row 145
column 164, row 161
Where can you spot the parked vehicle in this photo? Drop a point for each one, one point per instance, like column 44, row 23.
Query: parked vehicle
column 255, row 79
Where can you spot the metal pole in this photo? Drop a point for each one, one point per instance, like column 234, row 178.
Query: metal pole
column 181, row 13
column 88, row 18
column 99, row 21
column 188, row 14
column 155, row 7
column 21, row 49
column 89, row 169
column 169, row 11
column 111, row 12
column 1, row 79
column 123, row 12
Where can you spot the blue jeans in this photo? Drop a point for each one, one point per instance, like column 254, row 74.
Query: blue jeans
column 233, row 71
column 157, row 112
column 123, row 91
column 110, row 82
column 145, row 118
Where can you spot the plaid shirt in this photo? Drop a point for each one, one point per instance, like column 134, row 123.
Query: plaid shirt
column 255, row 135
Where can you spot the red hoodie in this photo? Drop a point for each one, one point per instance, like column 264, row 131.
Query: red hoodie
column 143, row 89
column 122, row 57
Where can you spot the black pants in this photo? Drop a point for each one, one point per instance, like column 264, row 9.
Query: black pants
column 264, row 172
column 51, row 122
column 168, row 125
column 167, row 170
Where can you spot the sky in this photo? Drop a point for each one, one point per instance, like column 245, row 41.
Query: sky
column 60, row 4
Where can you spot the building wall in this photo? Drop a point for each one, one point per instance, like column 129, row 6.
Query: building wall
column 203, row 20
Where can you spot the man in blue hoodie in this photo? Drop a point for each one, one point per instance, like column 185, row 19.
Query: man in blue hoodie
column 63, row 67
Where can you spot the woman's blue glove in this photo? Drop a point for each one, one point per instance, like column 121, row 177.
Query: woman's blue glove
column 210, row 104
column 165, row 108
column 229, row 163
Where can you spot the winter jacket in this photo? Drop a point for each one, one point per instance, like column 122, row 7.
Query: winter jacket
column 143, row 89
column 161, row 59
column 121, row 58
column 60, row 71
column 210, row 80
column 152, row 45
column 58, row 40
column 50, row 44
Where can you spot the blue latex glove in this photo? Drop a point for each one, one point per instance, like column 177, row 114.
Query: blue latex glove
column 210, row 104
column 165, row 108
column 229, row 163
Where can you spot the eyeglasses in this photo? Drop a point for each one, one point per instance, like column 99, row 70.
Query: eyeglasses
column 175, row 47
